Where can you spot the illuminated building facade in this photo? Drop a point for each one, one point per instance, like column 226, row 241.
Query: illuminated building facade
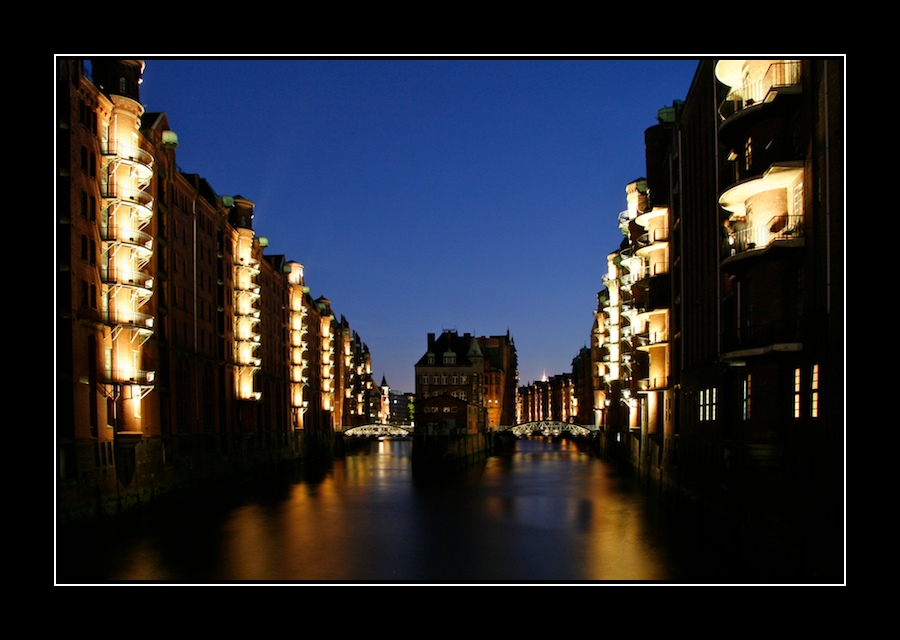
column 184, row 353
column 551, row 398
column 583, row 387
column 363, row 402
column 501, row 378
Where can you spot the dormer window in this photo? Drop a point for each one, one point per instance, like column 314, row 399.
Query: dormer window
column 430, row 358
column 449, row 357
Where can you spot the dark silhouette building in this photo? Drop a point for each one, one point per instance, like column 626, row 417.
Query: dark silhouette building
column 743, row 426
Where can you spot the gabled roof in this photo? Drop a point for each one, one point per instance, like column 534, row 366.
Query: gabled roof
column 450, row 342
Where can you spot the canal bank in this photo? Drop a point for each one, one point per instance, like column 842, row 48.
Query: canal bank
column 162, row 470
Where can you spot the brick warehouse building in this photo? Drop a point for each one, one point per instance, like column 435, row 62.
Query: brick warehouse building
column 184, row 354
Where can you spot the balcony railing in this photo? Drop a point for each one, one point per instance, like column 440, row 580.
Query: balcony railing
column 129, row 153
column 757, row 237
column 127, row 194
column 129, row 318
column 130, row 376
column 652, row 236
column 127, row 235
column 779, row 74
column 652, row 384
column 127, row 277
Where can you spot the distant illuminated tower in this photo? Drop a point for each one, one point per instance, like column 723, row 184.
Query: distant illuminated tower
column 384, row 414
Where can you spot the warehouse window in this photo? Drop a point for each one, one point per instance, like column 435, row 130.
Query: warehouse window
column 746, row 388
column 814, row 392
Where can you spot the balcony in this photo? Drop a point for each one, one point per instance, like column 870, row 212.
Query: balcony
column 658, row 383
column 139, row 162
column 128, row 236
column 780, row 77
column 653, row 236
column 140, row 202
column 130, row 377
column 762, row 338
column 129, row 319
column 778, row 153
column 138, row 280
column 783, row 230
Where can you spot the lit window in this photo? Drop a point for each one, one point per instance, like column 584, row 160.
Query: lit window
column 814, row 392
column 797, row 393
column 745, row 399
column 707, row 404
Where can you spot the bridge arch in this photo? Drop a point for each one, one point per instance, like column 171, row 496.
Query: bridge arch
column 378, row 430
column 550, row 428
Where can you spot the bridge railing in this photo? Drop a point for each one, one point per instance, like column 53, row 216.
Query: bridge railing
column 375, row 430
column 549, row 427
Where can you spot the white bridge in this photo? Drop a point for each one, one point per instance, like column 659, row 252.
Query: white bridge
column 550, row 428
column 541, row 427
column 378, row 430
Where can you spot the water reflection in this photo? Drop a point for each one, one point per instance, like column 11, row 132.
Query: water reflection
column 548, row 512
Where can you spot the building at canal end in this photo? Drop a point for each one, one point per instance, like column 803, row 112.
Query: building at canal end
column 480, row 371
column 185, row 355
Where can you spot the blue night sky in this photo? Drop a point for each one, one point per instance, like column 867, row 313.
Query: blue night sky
column 428, row 194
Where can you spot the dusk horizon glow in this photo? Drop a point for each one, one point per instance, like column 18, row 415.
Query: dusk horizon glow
column 477, row 195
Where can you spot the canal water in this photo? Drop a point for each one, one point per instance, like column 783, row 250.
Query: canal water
column 549, row 512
